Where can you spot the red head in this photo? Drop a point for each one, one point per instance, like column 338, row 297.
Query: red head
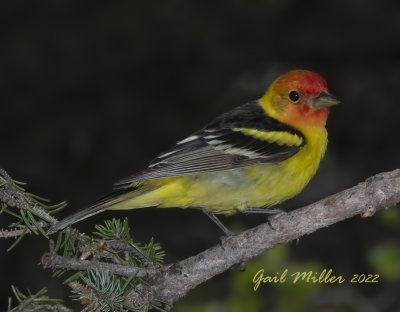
column 299, row 98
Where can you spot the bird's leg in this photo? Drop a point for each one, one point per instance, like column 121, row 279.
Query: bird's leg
column 264, row 211
column 218, row 222
column 272, row 213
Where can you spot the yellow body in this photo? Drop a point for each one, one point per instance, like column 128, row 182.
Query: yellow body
column 229, row 191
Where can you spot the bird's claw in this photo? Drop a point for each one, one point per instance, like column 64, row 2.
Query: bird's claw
column 273, row 217
column 225, row 238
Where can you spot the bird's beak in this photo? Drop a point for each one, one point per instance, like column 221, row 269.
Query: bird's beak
column 324, row 99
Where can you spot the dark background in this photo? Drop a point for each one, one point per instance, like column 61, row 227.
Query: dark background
column 92, row 91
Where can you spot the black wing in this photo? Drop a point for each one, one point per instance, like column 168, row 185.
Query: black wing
column 224, row 144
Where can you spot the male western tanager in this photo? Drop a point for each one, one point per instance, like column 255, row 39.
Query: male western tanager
column 250, row 158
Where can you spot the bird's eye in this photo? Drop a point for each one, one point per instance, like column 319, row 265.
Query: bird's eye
column 294, row 96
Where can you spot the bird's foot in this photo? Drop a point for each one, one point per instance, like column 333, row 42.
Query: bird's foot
column 226, row 238
column 272, row 214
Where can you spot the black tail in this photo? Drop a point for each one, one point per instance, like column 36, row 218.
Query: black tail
column 102, row 204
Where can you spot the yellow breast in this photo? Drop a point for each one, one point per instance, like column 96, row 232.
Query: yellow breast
column 286, row 179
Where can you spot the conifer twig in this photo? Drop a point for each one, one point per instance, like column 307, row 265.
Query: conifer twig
column 53, row 260
column 12, row 233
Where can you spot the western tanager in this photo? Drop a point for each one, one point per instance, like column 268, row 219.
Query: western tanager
column 250, row 158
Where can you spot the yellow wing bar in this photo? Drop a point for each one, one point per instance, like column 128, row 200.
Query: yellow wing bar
column 278, row 137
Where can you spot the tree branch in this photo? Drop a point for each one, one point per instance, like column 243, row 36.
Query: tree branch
column 171, row 282
column 376, row 193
